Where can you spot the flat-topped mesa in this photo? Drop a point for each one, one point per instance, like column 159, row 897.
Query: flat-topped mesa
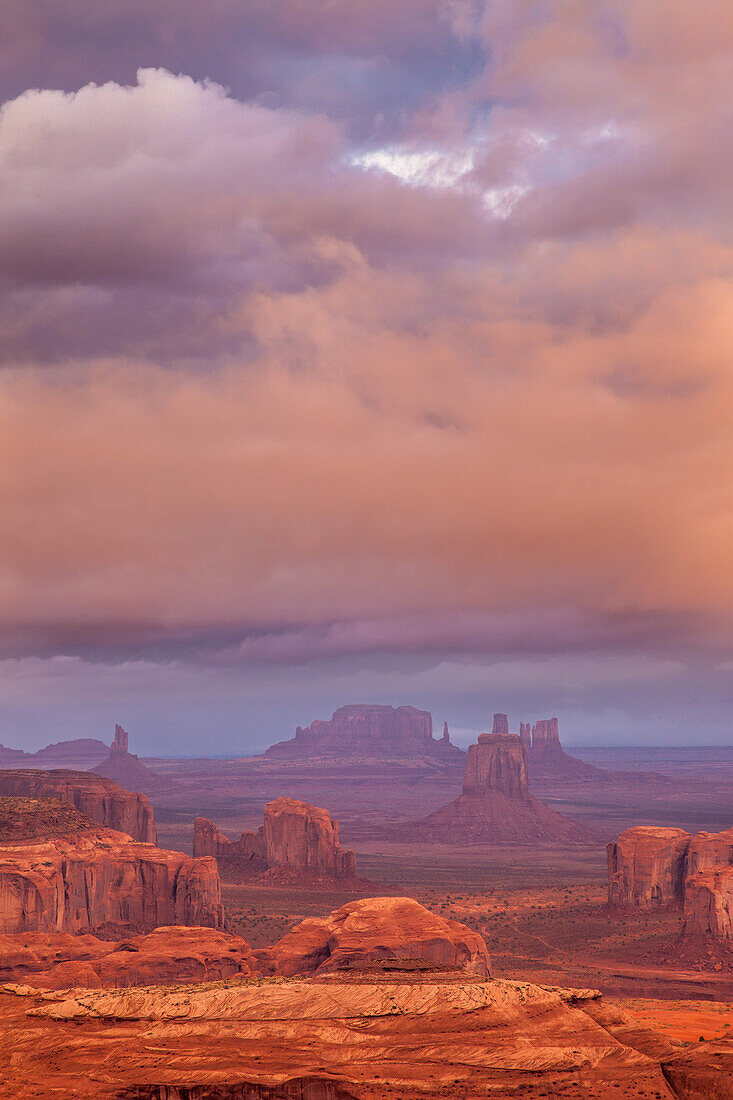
column 368, row 730
column 296, row 840
column 498, row 762
column 647, row 868
column 94, row 795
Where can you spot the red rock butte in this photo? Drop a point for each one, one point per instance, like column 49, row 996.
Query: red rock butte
column 658, row 868
column 367, row 730
column 125, row 768
column 62, row 872
column 297, row 841
column 496, row 804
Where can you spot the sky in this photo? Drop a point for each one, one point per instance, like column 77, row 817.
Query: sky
column 354, row 351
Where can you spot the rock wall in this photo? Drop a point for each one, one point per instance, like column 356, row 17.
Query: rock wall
column 647, row 868
column 295, row 836
column 106, row 880
column 498, row 762
column 525, row 735
column 709, row 904
column 94, row 795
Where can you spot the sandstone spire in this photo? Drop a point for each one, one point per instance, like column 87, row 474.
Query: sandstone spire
column 501, row 725
column 446, row 735
column 120, row 742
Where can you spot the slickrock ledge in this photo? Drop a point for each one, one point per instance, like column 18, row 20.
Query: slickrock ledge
column 321, row 1040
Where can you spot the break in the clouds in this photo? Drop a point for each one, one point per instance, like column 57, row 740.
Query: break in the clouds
column 363, row 332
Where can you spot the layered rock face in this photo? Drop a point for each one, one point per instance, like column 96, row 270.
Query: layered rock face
column 500, row 725
column 94, row 795
column 296, row 838
column 333, row 1039
column 496, row 804
column 647, row 868
column 497, row 763
column 650, row 867
column 366, row 730
column 525, row 735
column 709, row 904
column 378, row 933
column 169, row 954
column 103, row 879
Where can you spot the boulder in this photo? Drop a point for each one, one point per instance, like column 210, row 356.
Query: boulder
column 647, row 867
column 296, row 838
column 94, row 795
column 102, row 879
column 377, row 933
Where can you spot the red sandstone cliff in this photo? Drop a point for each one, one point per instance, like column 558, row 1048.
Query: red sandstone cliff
column 496, row 804
column 295, row 838
column 647, row 867
column 709, row 904
column 94, row 795
column 365, row 730
column 102, row 879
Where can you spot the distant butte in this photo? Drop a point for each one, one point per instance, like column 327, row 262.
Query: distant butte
column 367, row 731
column 125, row 768
column 496, row 804
column 297, row 843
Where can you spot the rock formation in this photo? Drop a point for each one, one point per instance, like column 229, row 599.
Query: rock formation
column 378, row 933
column 296, row 840
column 125, row 768
column 446, row 734
column 368, row 731
column 95, row 878
column 97, row 797
column 525, row 735
column 331, row 1039
column 651, row 867
column 496, row 804
column 546, row 739
column 647, row 868
column 175, row 953
column 709, row 904
column 500, row 725
column 80, row 753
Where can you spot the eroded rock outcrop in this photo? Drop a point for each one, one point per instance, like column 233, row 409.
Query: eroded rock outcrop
column 647, row 868
column 296, row 839
column 377, row 933
column 94, row 795
column 100, row 879
column 334, row 1039
column 125, row 768
column 496, row 804
column 709, row 904
column 170, row 954
column 366, row 731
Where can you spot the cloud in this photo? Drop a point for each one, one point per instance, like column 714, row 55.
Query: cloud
column 285, row 381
